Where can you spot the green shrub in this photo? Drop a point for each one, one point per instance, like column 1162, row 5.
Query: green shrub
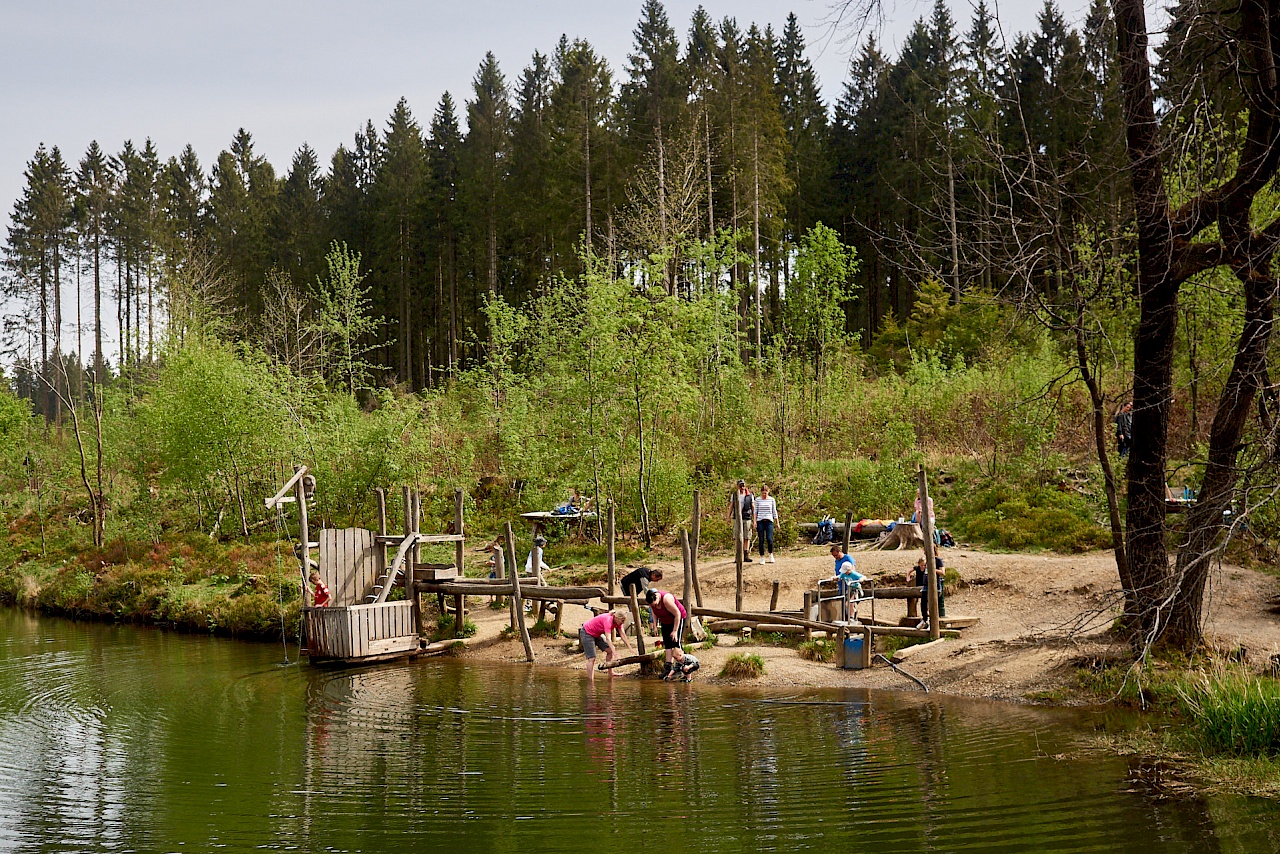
column 743, row 665
column 444, row 628
column 1004, row 516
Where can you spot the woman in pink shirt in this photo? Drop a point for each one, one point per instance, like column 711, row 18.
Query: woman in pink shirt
column 596, row 633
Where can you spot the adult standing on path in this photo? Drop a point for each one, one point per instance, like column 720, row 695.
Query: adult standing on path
column 765, row 511
column 1124, row 429
column 743, row 502
column 671, row 615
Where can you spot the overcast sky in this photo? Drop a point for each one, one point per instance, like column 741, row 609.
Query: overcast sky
column 291, row 72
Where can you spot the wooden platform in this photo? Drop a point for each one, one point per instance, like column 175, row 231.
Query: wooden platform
column 350, row 633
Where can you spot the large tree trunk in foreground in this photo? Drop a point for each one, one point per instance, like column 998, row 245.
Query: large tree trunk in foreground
column 1157, row 293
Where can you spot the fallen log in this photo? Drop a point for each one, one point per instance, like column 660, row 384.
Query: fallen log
column 868, row 531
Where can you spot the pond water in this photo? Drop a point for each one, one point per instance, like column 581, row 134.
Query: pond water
column 119, row 739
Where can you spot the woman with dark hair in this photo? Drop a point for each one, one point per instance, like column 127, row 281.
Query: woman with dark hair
column 671, row 615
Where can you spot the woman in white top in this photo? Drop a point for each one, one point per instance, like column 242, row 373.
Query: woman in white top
column 765, row 511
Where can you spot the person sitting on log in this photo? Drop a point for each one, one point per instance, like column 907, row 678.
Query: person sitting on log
column 683, row 666
column 597, row 633
column 671, row 615
column 320, row 591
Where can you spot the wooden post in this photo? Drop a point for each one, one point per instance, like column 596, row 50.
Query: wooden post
column 416, row 556
column 458, row 614
column 609, row 551
column 773, row 599
column 808, row 609
column 688, row 580
column 500, row 564
column 737, row 549
column 926, row 528
column 848, row 531
column 304, row 534
column 694, row 543
column 559, row 615
column 382, row 521
column 517, row 601
column 457, row 529
column 635, row 619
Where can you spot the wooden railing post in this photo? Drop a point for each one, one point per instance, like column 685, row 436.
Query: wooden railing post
column 609, row 551
column 738, row 556
column 926, row 527
column 304, row 533
column 694, row 543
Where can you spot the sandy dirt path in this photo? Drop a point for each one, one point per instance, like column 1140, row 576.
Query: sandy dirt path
column 1037, row 614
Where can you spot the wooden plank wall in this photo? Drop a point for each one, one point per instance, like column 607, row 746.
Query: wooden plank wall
column 350, row 563
column 356, row 631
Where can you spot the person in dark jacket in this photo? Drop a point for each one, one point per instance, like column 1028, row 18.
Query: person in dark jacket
column 1124, row 429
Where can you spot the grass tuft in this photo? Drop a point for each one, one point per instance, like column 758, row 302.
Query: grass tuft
column 1234, row 712
column 743, row 665
column 818, row 650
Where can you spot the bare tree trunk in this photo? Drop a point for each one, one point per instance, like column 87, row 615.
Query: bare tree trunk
column 1205, row 519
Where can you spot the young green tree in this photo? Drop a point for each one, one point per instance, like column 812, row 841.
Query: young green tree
column 344, row 320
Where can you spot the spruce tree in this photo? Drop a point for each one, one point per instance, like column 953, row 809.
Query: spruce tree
column 399, row 195
column 94, row 184
column 486, row 151
column 444, row 153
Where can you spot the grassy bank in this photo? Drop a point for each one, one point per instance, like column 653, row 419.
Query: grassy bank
column 1216, row 718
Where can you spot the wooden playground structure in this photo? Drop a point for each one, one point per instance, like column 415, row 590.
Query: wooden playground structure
column 361, row 624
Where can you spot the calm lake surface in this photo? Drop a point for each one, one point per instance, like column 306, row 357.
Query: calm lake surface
column 122, row 739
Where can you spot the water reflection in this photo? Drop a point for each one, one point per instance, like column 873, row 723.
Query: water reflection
column 115, row 739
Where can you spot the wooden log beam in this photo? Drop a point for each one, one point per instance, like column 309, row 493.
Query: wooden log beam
column 473, row 587
column 643, row 658
column 765, row 618
column 897, row 592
